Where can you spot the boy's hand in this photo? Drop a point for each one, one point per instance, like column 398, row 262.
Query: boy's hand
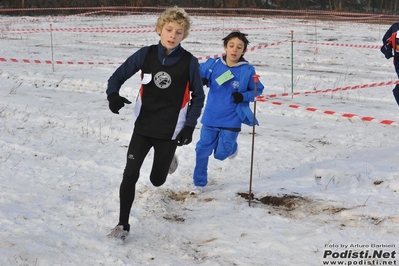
column 388, row 55
column 238, row 97
column 116, row 102
column 185, row 136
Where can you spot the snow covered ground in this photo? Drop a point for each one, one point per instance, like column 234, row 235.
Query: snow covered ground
column 325, row 170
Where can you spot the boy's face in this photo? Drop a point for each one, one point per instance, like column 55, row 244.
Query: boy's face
column 171, row 35
column 234, row 50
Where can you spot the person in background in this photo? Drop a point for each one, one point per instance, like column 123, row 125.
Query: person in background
column 231, row 88
column 166, row 110
column 390, row 48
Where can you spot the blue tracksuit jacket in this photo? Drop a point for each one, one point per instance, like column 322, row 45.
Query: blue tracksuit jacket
column 220, row 109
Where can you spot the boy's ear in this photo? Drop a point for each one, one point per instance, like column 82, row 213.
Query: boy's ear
column 158, row 30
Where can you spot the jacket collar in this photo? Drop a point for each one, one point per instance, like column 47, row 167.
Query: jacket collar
column 240, row 62
column 175, row 51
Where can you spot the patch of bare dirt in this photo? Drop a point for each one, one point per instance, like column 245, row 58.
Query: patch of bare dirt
column 291, row 202
column 183, row 195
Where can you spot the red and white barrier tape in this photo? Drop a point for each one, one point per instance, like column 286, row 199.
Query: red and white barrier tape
column 341, row 44
column 370, row 85
column 200, row 58
column 57, row 62
column 114, row 30
column 344, row 115
column 74, row 30
column 50, row 18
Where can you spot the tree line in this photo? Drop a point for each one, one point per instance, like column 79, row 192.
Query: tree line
column 363, row 6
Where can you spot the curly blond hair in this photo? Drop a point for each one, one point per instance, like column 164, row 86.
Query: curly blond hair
column 175, row 14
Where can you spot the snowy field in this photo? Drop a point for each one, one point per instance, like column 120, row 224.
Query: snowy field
column 325, row 169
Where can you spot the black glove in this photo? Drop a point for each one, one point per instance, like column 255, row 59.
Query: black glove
column 388, row 54
column 238, row 98
column 387, row 51
column 185, row 136
column 116, row 102
column 204, row 81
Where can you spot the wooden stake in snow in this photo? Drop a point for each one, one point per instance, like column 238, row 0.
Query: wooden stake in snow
column 292, row 64
column 256, row 79
column 51, row 44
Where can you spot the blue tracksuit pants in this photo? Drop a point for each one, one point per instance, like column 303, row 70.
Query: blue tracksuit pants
column 221, row 142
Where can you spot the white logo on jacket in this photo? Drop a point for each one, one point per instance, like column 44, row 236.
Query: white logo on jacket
column 235, row 84
column 162, row 80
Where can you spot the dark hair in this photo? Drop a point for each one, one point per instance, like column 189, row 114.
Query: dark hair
column 236, row 34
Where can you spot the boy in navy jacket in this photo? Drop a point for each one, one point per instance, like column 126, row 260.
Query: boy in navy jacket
column 166, row 110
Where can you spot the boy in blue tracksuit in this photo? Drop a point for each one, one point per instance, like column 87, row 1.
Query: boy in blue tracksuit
column 166, row 110
column 390, row 48
column 231, row 88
